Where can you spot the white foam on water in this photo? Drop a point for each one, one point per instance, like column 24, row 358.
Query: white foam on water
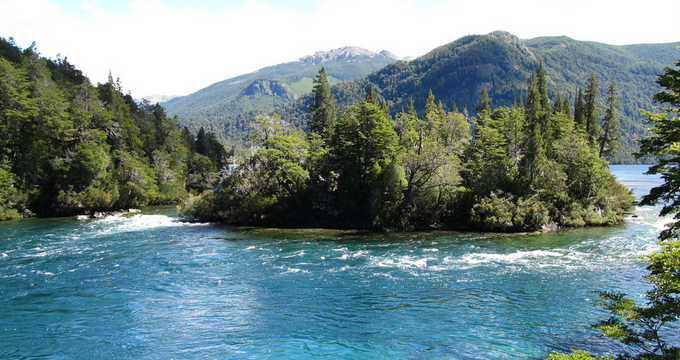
column 355, row 255
column 137, row 222
column 402, row 262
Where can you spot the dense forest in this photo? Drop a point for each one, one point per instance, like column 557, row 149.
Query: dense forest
column 523, row 167
column 69, row 147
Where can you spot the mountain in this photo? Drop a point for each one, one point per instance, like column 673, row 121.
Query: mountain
column 156, row 98
column 502, row 63
column 271, row 87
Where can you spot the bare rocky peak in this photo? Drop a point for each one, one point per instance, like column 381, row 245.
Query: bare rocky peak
column 390, row 55
column 344, row 52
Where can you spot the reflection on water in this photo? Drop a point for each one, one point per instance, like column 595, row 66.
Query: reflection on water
column 150, row 286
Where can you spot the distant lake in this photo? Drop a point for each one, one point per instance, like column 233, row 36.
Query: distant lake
column 148, row 286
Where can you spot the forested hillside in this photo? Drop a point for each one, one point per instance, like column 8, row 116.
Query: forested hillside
column 70, row 147
column 501, row 63
column 228, row 107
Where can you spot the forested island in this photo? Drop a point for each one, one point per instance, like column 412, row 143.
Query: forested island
column 521, row 168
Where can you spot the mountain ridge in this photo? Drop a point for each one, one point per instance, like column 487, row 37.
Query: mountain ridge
column 502, row 63
column 320, row 57
column 227, row 97
column 456, row 73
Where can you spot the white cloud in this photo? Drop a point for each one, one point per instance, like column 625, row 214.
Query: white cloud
column 155, row 48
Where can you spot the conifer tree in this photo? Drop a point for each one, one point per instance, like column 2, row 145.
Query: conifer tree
column 541, row 82
column 371, row 96
column 324, row 110
column 430, row 116
column 610, row 139
column 535, row 138
column 558, row 105
column 591, row 110
column 580, row 110
column 566, row 107
column 484, row 102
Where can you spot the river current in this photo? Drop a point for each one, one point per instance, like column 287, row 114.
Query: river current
column 148, row 286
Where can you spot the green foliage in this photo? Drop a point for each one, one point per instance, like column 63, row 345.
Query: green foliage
column 610, row 139
column 363, row 145
column 644, row 327
column 429, row 172
column 502, row 212
column 484, row 102
column 664, row 144
column 225, row 109
column 68, row 147
column 576, row 355
column 501, row 64
column 324, row 111
column 591, row 110
column 8, row 196
column 526, row 169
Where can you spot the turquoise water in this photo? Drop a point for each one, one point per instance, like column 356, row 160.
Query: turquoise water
column 148, row 286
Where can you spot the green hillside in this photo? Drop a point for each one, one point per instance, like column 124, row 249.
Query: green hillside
column 502, row 63
column 226, row 102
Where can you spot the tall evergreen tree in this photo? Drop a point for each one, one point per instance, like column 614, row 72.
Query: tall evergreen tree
column 566, row 106
column 541, row 82
column 591, row 110
column 558, row 105
column 484, row 103
column 371, row 96
column 580, row 111
column 610, row 139
column 324, row 111
column 430, row 116
column 535, row 141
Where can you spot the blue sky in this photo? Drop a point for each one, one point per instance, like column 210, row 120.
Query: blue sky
column 176, row 47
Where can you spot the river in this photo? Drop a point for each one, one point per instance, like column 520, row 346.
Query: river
column 148, row 286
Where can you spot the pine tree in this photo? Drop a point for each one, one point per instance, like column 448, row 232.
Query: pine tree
column 591, row 111
column 430, row 116
column 535, row 142
column 610, row 139
column 484, row 102
column 324, row 110
column 543, row 89
column 566, row 106
column 580, row 110
column 371, row 96
column 558, row 105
